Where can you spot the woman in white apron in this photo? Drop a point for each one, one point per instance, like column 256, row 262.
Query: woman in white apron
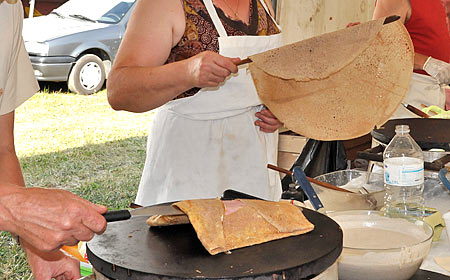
column 199, row 146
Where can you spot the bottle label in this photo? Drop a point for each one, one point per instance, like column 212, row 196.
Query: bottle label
column 403, row 171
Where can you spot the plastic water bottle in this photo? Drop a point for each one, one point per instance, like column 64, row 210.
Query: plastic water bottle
column 403, row 176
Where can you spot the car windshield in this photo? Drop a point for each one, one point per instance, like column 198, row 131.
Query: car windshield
column 105, row 11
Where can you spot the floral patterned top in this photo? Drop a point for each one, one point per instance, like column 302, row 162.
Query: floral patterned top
column 201, row 35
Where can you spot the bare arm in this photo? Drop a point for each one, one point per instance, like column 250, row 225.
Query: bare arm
column 385, row 8
column 269, row 6
column 419, row 60
column 45, row 218
column 9, row 164
column 51, row 265
column 401, row 8
column 139, row 81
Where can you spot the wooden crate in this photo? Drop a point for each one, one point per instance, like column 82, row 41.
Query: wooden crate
column 289, row 148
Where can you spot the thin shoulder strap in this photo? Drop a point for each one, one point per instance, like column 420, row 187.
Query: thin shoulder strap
column 264, row 3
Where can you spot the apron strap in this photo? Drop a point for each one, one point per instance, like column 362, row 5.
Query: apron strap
column 264, row 4
column 215, row 18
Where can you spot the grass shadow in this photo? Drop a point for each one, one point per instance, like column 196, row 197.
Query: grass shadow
column 54, row 87
column 106, row 173
column 59, row 87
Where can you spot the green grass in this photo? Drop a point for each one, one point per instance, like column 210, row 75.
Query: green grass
column 80, row 144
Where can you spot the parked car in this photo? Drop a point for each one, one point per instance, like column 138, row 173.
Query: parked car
column 77, row 42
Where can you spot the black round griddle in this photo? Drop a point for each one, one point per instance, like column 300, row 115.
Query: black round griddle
column 130, row 250
column 428, row 133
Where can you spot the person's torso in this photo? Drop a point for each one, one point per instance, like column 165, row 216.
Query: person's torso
column 17, row 81
column 428, row 30
column 201, row 35
column 11, row 29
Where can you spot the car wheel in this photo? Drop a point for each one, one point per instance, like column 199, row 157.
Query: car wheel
column 87, row 75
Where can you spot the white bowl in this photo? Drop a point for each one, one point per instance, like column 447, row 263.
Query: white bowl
column 378, row 247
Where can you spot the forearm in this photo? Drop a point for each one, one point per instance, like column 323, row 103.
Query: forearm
column 419, row 61
column 9, row 164
column 10, row 171
column 6, row 217
column 140, row 89
column 11, row 182
column 51, row 265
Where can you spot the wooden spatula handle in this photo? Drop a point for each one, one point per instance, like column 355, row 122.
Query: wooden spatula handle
column 416, row 111
column 244, row 61
column 317, row 182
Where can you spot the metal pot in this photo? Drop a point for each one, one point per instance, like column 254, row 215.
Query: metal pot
column 351, row 179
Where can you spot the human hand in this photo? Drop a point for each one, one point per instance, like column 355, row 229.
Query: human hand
column 438, row 69
column 267, row 121
column 48, row 219
column 56, row 264
column 209, row 69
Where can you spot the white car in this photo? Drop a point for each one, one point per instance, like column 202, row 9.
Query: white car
column 77, row 42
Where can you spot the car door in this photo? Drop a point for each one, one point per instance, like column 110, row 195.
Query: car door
column 116, row 34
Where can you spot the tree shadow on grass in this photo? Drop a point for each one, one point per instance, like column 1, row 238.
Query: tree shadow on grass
column 58, row 87
column 106, row 173
column 53, row 87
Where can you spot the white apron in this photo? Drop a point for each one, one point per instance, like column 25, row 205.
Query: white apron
column 200, row 146
column 422, row 90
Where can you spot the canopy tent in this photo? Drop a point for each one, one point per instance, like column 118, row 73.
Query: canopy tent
column 31, row 11
column 42, row 7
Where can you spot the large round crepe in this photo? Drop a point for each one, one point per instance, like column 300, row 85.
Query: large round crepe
column 338, row 85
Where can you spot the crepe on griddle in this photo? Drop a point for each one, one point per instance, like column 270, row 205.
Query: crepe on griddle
column 339, row 85
column 252, row 222
column 167, row 220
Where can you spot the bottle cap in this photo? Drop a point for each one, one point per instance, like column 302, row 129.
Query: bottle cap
column 402, row 128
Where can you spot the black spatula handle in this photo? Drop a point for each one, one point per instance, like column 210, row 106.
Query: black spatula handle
column 391, row 19
column 233, row 194
column 119, row 215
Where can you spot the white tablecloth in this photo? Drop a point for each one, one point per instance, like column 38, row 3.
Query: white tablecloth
column 438, row 248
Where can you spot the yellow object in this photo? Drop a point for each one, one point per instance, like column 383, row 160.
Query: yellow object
column 36, row 13
column 444, row 262
column 76, row 251
column 433, row 217
column 440, row 113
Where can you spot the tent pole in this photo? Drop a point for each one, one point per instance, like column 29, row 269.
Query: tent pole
column 31, row 10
